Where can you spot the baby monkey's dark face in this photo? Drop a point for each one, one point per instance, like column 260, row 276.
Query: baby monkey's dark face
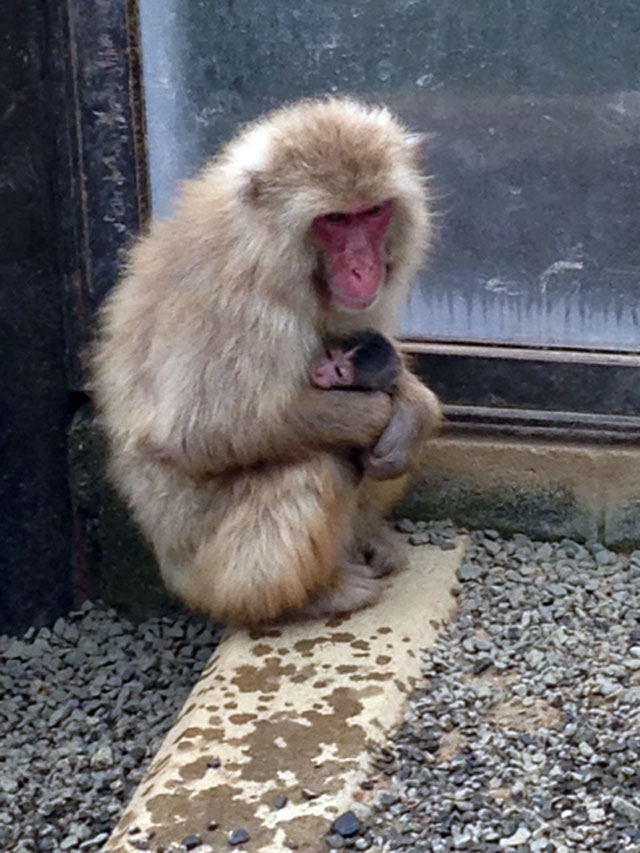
column 363, row 361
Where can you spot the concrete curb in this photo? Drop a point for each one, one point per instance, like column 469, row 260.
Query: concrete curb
column 545, row 490
column 292, row 711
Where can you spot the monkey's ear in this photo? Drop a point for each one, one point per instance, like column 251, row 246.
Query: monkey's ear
column 253, row 187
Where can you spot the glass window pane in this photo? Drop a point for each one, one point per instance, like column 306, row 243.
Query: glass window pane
column 533, row 107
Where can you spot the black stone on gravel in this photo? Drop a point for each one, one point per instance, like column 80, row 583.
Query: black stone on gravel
column 347, row 825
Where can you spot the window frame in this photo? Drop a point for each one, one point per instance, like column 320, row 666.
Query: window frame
column 101, row 185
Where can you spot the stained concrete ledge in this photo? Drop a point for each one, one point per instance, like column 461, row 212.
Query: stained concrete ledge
column 292, row 711
column 545, row 490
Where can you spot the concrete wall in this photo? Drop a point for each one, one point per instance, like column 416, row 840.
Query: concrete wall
column 542, row 489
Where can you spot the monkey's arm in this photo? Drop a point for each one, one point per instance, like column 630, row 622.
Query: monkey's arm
column 335, row 420
column 316, row 420
column 416, row 416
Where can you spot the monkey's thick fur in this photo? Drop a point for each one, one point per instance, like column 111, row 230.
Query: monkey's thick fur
column 231, row 464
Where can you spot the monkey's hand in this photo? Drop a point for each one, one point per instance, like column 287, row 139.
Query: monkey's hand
column 391, row 455
column 416, row 416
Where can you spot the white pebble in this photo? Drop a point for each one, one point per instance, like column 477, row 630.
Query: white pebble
column 520, row 836
column 102, row 758
column 596, row 815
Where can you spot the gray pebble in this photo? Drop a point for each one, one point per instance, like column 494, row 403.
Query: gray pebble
column 239, row 836
column 469, row 572
column 347, row 825
column 627, row 809
column 420, row 539
column 17, row 649
column 606, row 686
column 604, row 557
column 8, row 784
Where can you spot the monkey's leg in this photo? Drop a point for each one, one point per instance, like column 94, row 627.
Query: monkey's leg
column 369, row 553
column 374, row 538
column 273, row 544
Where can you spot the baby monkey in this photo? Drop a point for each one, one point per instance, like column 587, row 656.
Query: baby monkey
column 362, row 361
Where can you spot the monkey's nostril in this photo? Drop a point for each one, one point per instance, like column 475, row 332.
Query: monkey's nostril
column 356, row 274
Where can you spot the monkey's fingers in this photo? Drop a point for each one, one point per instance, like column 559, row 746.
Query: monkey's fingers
column 394, row 463
column 357, row 587
column 384, row 552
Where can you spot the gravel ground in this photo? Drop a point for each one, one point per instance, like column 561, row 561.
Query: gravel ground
column 83, row 708
column 525, row 736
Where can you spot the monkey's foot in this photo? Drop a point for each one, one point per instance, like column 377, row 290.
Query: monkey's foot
column 358, row 587
column 384, row 552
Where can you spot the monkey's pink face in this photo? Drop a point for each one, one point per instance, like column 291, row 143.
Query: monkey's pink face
column 353, row 242
column 334, row 369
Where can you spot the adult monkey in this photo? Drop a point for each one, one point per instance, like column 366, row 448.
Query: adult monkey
column 313, row 221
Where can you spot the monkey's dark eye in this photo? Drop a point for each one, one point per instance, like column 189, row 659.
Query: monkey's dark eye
column 336, row 217
column 339, row 372
column 373, row 210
